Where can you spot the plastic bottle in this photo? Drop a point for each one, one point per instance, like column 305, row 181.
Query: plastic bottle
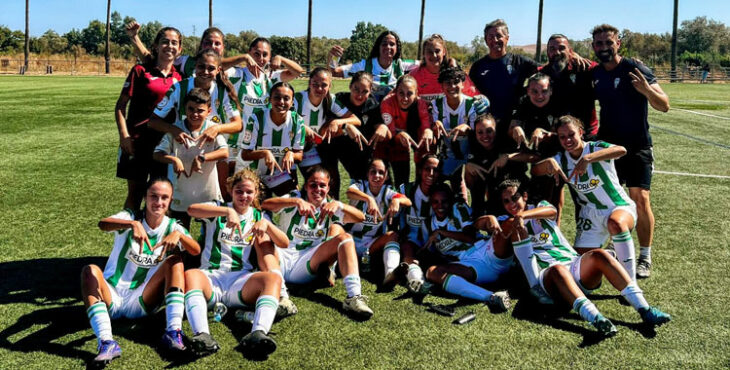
column 365, row 261
column 219, row 311
column 244, row 316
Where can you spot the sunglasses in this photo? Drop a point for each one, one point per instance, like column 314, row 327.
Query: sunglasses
column 514, row 198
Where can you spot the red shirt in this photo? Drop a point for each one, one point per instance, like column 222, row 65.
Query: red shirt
column 429, row 87
column 396, row 118
column 145, row 86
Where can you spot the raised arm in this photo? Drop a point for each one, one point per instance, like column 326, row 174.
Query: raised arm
column 292, row 69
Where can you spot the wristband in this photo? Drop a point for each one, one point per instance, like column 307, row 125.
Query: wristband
column 340, row 206
column 201, row 158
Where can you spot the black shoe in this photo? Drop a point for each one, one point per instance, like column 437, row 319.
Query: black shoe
column 203, row 345
column 258, row 344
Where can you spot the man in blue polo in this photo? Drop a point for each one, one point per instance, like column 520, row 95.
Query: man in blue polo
column 625, row 88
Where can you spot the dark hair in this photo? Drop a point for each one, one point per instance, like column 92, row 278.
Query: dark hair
column 556, row 36
column 441, row 187
column 327, row 101
column 451, row 74
column 284, row 85
column 208, row 31
column 155, row 180
column 433, row 39
column 568, row 119
column 159, row 35
column 315, row 169
column 375, row 51
column 511, row 183
column 604, row 28
column 360, row 76
column 198, row 96
column 425, row 158
column 221, row 79
column 539, row 76
column 485, row 117
column 497, row 23
column 256, row 41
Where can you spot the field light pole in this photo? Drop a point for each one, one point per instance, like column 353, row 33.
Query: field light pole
column 210, row 13
column 538, row 47
column 420, row 29
column 106, row 47
column 673, row 77
column 27, row 37
column 309, row 37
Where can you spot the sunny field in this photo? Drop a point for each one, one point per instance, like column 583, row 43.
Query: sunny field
column 58, row 145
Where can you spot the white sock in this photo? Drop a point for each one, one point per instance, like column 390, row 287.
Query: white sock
column 174, row 310
column 635, row 296
column 284, row 293
column 586, row 309
column 266, row 307
column 197, row 310
column 101, row 324
column 523, row 251
column 645, row 254
column 414, row 272
column 624, row 246
column 352, row 285
column 391, row 256
column 456, row 284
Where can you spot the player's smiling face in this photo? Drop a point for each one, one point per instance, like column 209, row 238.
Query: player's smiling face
column 196, row 113
column 606, row 45
column 539, row 92
column 360, row 91
column 440, row 203
column 485, row 131
column 169, row 46
column 281, row 100
column 377, row 173
column 513, row 201
column 317, row 188
column 206, row 68
column 388, row 47
column 261, row 53
column 158, row 198
column 570, row 137
column 496, row 39
column 558, row 50
column 406, row 94
column 429, row 171
column 213, row 41
column 319, row 85
column 452, row 88
column 244, row 192
column 434, row 53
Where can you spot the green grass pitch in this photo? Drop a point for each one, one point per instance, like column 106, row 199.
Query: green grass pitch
column 58, row 145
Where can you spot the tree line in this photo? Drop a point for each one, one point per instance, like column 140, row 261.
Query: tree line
column 700, row 41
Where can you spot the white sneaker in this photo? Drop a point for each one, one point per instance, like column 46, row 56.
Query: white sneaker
column 499, row 301
column 415, row 278
column 358, row 305
column 286, row 308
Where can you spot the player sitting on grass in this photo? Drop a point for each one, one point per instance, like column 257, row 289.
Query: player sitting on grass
column 230, row 233
column 193, row 159
column 605, row 208
column 137, row 277
column 472, row 261
column 380, row 203
column 313, row 224
column 551, row 264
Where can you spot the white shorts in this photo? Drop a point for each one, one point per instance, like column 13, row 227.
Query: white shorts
column 226, row 286
column 295, row 265
column 487, row 266
column 592, row 225
column 574, row 268
column 310, row 158
column 128, row 303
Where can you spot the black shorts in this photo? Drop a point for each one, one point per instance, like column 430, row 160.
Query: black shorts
column 141, row 166
column 636, row 167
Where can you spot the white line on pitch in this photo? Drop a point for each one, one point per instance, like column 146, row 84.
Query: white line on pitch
column 691, row 174
column 702, row 114
column 721, row 102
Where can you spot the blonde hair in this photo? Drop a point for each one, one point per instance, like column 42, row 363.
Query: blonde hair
column 246, row 174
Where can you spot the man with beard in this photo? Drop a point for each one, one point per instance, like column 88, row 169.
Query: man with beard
column 623, row 87
column 500, row 76
column 572, row 85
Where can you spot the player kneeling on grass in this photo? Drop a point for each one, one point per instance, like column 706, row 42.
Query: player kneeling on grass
column 474, row 261
column 226, row 275
column 380, row 203
column 313, row 225
column 552, row 265
column 605, row 208
column 139, row 274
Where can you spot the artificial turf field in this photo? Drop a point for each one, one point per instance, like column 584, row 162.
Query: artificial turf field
column 58, row 145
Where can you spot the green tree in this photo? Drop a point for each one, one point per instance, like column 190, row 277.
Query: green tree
column 92, row 37
column 148, row 32
column 116, row 29
column 361, row 40
column 479, row 49
column 10, row 41
column 701, row 35
column 49, row 43
column 288, row 47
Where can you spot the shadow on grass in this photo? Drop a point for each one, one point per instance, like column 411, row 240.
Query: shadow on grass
column 52, row 286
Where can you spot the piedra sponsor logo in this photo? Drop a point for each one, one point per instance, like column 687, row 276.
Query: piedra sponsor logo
column 370, row 220
column 141, row 260
column 254, row 101
column 591, row 185
column 303, row 233
column 414, row 220
column 228, row 237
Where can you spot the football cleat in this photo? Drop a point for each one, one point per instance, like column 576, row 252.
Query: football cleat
column 541, row 295
column 358, row 305
column 604, row 326
column 173, row 340
column 203, row 344
column 108, row 350
column 286, row 308
column 258, row 344
column 499, row 301
column 643, row 268
column 653, row 316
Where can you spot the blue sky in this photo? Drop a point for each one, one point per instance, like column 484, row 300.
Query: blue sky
column 457, row 21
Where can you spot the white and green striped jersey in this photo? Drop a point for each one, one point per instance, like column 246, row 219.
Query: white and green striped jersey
column 253, row 92
column 459, row 218
column 314, row 115
column 549, row 245
column 414, row 218
column 599, row 187
column 262, row 133
column 384, row 79
column 126, row 267
column 195, row 187
column 304, row 232
column 225, row 250
column 372, row 227
column 464, row 113
column 174, row 100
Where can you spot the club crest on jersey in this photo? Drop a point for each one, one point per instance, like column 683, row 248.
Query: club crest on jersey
column 572, row 78
column 216, row 119
column 141, row 260
column 387, row 118
column 247, row 136
column 162, row 103
column 510, row 69
column 365, row 119
column 616, row 81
